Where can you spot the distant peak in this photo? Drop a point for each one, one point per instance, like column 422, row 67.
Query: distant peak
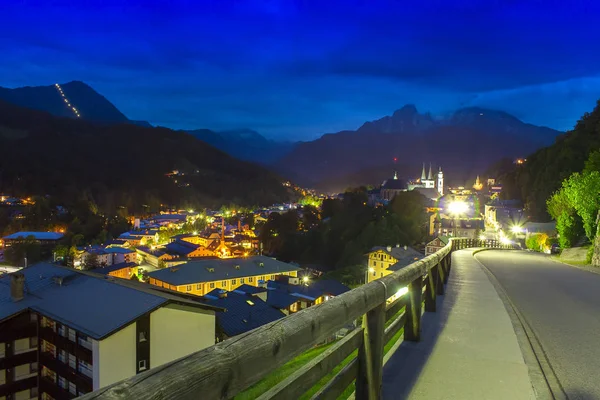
column 409, row 109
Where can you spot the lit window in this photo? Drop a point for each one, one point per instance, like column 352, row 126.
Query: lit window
column 250, row 279
column 212, row 285
column 233, row 281
column 188, row 288
column 199, row 286
column 142, row 337
column 142, row 365
column 242, row 281
column 250, row 302
column 224, row 283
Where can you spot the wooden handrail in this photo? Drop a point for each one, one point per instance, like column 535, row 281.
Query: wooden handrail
column 229, row 367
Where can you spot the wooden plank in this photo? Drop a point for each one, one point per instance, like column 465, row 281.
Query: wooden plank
column 412, row 329
column 440, row 279
column 336, row 386
column 393, row 308
column 306, row 376
column 394, row 327
column 370, row 356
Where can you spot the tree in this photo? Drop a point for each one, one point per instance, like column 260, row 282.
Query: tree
column 568, row 223
column 26, row 248
column 583, row 193
column 91, row 261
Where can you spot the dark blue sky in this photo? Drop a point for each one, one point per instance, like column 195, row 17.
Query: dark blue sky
column 297, row 69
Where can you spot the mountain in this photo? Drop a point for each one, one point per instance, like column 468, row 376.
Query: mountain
column 60, row 99
column 123, row 165
column 463, row 144
column 245, row 144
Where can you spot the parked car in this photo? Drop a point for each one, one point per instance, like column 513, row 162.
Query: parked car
column 555, row 249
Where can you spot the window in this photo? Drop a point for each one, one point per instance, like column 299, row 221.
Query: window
column 224, row 283
column 62, row 331
column 142, row 365
column 198, row 286
column 142, row 337
column 72, row 388
column 188, row 288
column 242, row 281
column 2, row 349
column 251, row 279
column 62, row 356
column 85, row 368
column 62, row 382
column 233, row 281
column 272, row 277
column 72, row 335
column 33, row 317
column 72, row 361
column 212, row 285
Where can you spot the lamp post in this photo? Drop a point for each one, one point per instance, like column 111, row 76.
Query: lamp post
column 457, row 208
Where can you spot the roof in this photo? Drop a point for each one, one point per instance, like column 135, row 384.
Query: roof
column 181, row 247
column 148, row 250
column 37, row 235
column 179, row 217
column 330, row 287
column 120, row 250
column 430, row 193
column 394, row 184
column 114, row 267
column 243, row 313
column 220, row 269
column 87, row 302
column 404, row 256
column 280, row 300
column 247, row 289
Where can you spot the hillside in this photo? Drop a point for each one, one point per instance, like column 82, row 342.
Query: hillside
column 122, row 165
column 542, row 174
column 463, row 144
column 245, row 144
column 60, row 99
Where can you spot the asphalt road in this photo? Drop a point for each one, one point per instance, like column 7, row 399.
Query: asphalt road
column 562, row 305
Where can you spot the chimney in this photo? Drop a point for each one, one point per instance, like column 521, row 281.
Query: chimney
column 389, row 248
column 398, row 245
column 17, row 286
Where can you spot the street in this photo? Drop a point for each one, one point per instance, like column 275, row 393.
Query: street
column 562, row 305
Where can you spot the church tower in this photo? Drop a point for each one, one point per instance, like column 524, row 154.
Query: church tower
column 423, row 176
column 440, row 182
column 430, row 182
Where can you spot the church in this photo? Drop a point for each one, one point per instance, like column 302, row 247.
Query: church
column 430, row 187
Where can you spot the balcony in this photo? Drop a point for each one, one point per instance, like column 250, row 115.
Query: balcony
column 18, row 386
column 25, row 357
column 81, row 380
column 47, row 386
column 64, row 343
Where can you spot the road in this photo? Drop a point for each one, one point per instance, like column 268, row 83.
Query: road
column 562, row 305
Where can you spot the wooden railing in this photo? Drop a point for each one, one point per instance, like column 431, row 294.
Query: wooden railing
column 230, row 367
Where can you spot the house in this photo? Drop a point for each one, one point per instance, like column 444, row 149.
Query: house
column 243, row 312
column 155, row 257
column 467, row 228
column 383, row 261
column 121, row 255
column 436, row 244
column 121, row 270
column 202, row 276
column 64, row 333
column 184, row 249
column 140, row 238
column 305, row 295
column 43, row 238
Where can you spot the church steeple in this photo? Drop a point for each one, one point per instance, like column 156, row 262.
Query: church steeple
column 423, row 176
column 395, row 174
column 430, row 176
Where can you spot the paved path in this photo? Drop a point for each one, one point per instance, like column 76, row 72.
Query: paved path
column 562, row 306
column 468, row 349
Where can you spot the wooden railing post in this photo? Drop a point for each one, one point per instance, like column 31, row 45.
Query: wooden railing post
column 412, row 327
column 430, row 290
column 370, row 355
column 439, row 286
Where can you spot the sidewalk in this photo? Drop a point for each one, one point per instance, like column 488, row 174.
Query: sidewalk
column 468, row 349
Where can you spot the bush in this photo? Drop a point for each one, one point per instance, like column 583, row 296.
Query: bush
column 589, row 255
column 537, row 242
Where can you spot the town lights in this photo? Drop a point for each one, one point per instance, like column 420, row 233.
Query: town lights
column 516, row 229
column 305, row 279
column 371, row 270
column 458, row 207
column 482, row 237
column 504, row 240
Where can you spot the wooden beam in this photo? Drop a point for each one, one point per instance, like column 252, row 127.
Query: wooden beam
column 306, row 376
column 339, row 383
column 394, row 327
column 412, row 329
column 370, row 356
column 430, row 292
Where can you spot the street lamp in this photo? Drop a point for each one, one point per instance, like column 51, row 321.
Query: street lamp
column 368, row 271
column 305, row 279
column 457, row 208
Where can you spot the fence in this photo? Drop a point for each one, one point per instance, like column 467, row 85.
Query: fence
column 229, row 367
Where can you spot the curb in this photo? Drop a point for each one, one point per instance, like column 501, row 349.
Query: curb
column 543, row 379
column 593, row 270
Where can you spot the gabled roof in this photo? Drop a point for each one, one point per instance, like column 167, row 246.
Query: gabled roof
column 280, row 299
column 90, row 303
column 114, row 267
column 242, row 312
column 404, row 256
column 247, row 289
column 221, row 269
column 37, row 235
column 119, row 250
column 181, row 247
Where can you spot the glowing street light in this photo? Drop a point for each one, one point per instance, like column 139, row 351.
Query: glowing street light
column 305, row 279
column 368, row 271
column 482, row 238
column 457, row 208
column 516, row 229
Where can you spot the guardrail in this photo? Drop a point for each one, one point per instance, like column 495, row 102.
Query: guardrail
column 229, row 367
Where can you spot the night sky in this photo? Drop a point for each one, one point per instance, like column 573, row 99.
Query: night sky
column 298, row 69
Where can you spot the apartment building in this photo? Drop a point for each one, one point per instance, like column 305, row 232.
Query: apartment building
column 64, row 333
